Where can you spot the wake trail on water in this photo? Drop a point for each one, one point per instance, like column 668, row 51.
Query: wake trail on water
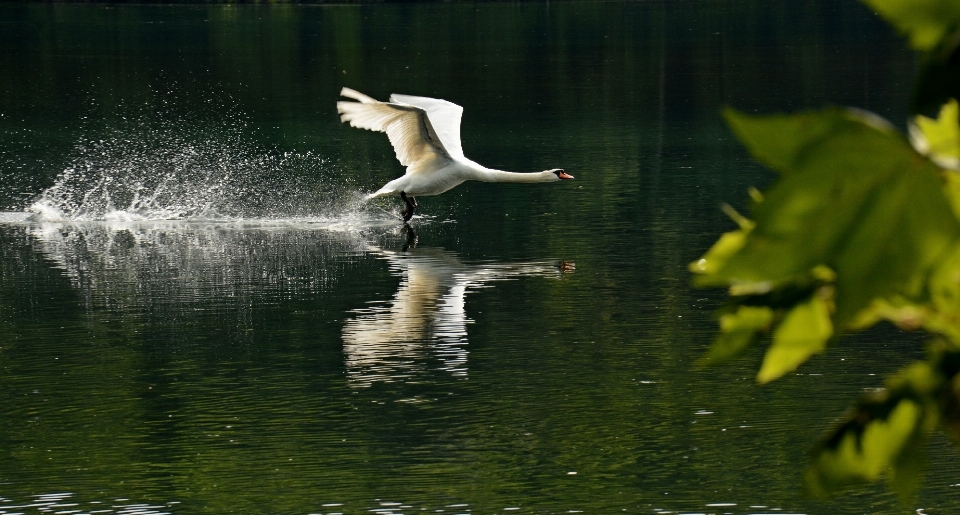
column 160, row 166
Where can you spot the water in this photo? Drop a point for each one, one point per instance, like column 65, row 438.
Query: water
column 199, row 315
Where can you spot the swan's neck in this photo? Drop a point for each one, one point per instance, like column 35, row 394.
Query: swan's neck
column 490, row 175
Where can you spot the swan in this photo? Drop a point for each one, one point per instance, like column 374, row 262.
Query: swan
column 425, row 133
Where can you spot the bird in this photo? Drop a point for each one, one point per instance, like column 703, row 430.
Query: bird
column 425, row 134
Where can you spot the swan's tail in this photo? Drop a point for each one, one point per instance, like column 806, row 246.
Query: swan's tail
column 382, row 192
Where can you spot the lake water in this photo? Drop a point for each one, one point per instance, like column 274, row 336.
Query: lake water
column 198, row 314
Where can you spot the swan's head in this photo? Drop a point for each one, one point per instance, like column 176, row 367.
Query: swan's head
column 560, row 174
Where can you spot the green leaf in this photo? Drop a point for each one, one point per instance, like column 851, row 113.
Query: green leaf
column 737, row 331
column 884, row 434
column 925, row 22
column 776, row 140
column 940, row 138
column 853, row 196
column 804, row 332
column 906, row 315
column 940, row 313
column 952, row 190
column 868, row 446
column 944, row 316
column 726, row 246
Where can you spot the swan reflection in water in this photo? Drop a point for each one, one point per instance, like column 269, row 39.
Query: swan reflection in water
column 171, row 268
column 426, row 320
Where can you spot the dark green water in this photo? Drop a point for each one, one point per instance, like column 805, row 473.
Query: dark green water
column 216, row 324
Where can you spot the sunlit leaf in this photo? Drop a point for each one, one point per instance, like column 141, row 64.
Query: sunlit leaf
column 804, row 332
column 884, row 434
column 737, row 331
column 866, row 447
column 940, row 138
column 922, row 379
column 924, row 22
column 939, row 313
column 775, row 139
column 727, row 245
column 854, row 196
column 904, row 314
column 952, row 190
column 933, row 28
column 944, row 307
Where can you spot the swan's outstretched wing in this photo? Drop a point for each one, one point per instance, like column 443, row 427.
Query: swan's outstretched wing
column 444, row 116
column 408, row 127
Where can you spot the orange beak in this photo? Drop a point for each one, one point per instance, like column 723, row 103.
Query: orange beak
column 564, row 175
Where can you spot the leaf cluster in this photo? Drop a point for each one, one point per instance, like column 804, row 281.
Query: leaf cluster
column 863, row 225
column 933, row 29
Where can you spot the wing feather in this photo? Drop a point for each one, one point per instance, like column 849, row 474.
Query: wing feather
column 445, row 117
column 356, row 95
column 407, row 126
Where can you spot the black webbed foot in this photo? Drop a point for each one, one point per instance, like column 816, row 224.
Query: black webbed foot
column 411, row 208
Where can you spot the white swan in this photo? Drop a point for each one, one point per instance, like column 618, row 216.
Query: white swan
column 425, row 133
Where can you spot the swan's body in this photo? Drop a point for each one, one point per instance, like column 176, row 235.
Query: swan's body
column 425, row 133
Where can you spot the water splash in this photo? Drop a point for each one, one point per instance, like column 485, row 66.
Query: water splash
column 200, row 165
column 132, row 266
